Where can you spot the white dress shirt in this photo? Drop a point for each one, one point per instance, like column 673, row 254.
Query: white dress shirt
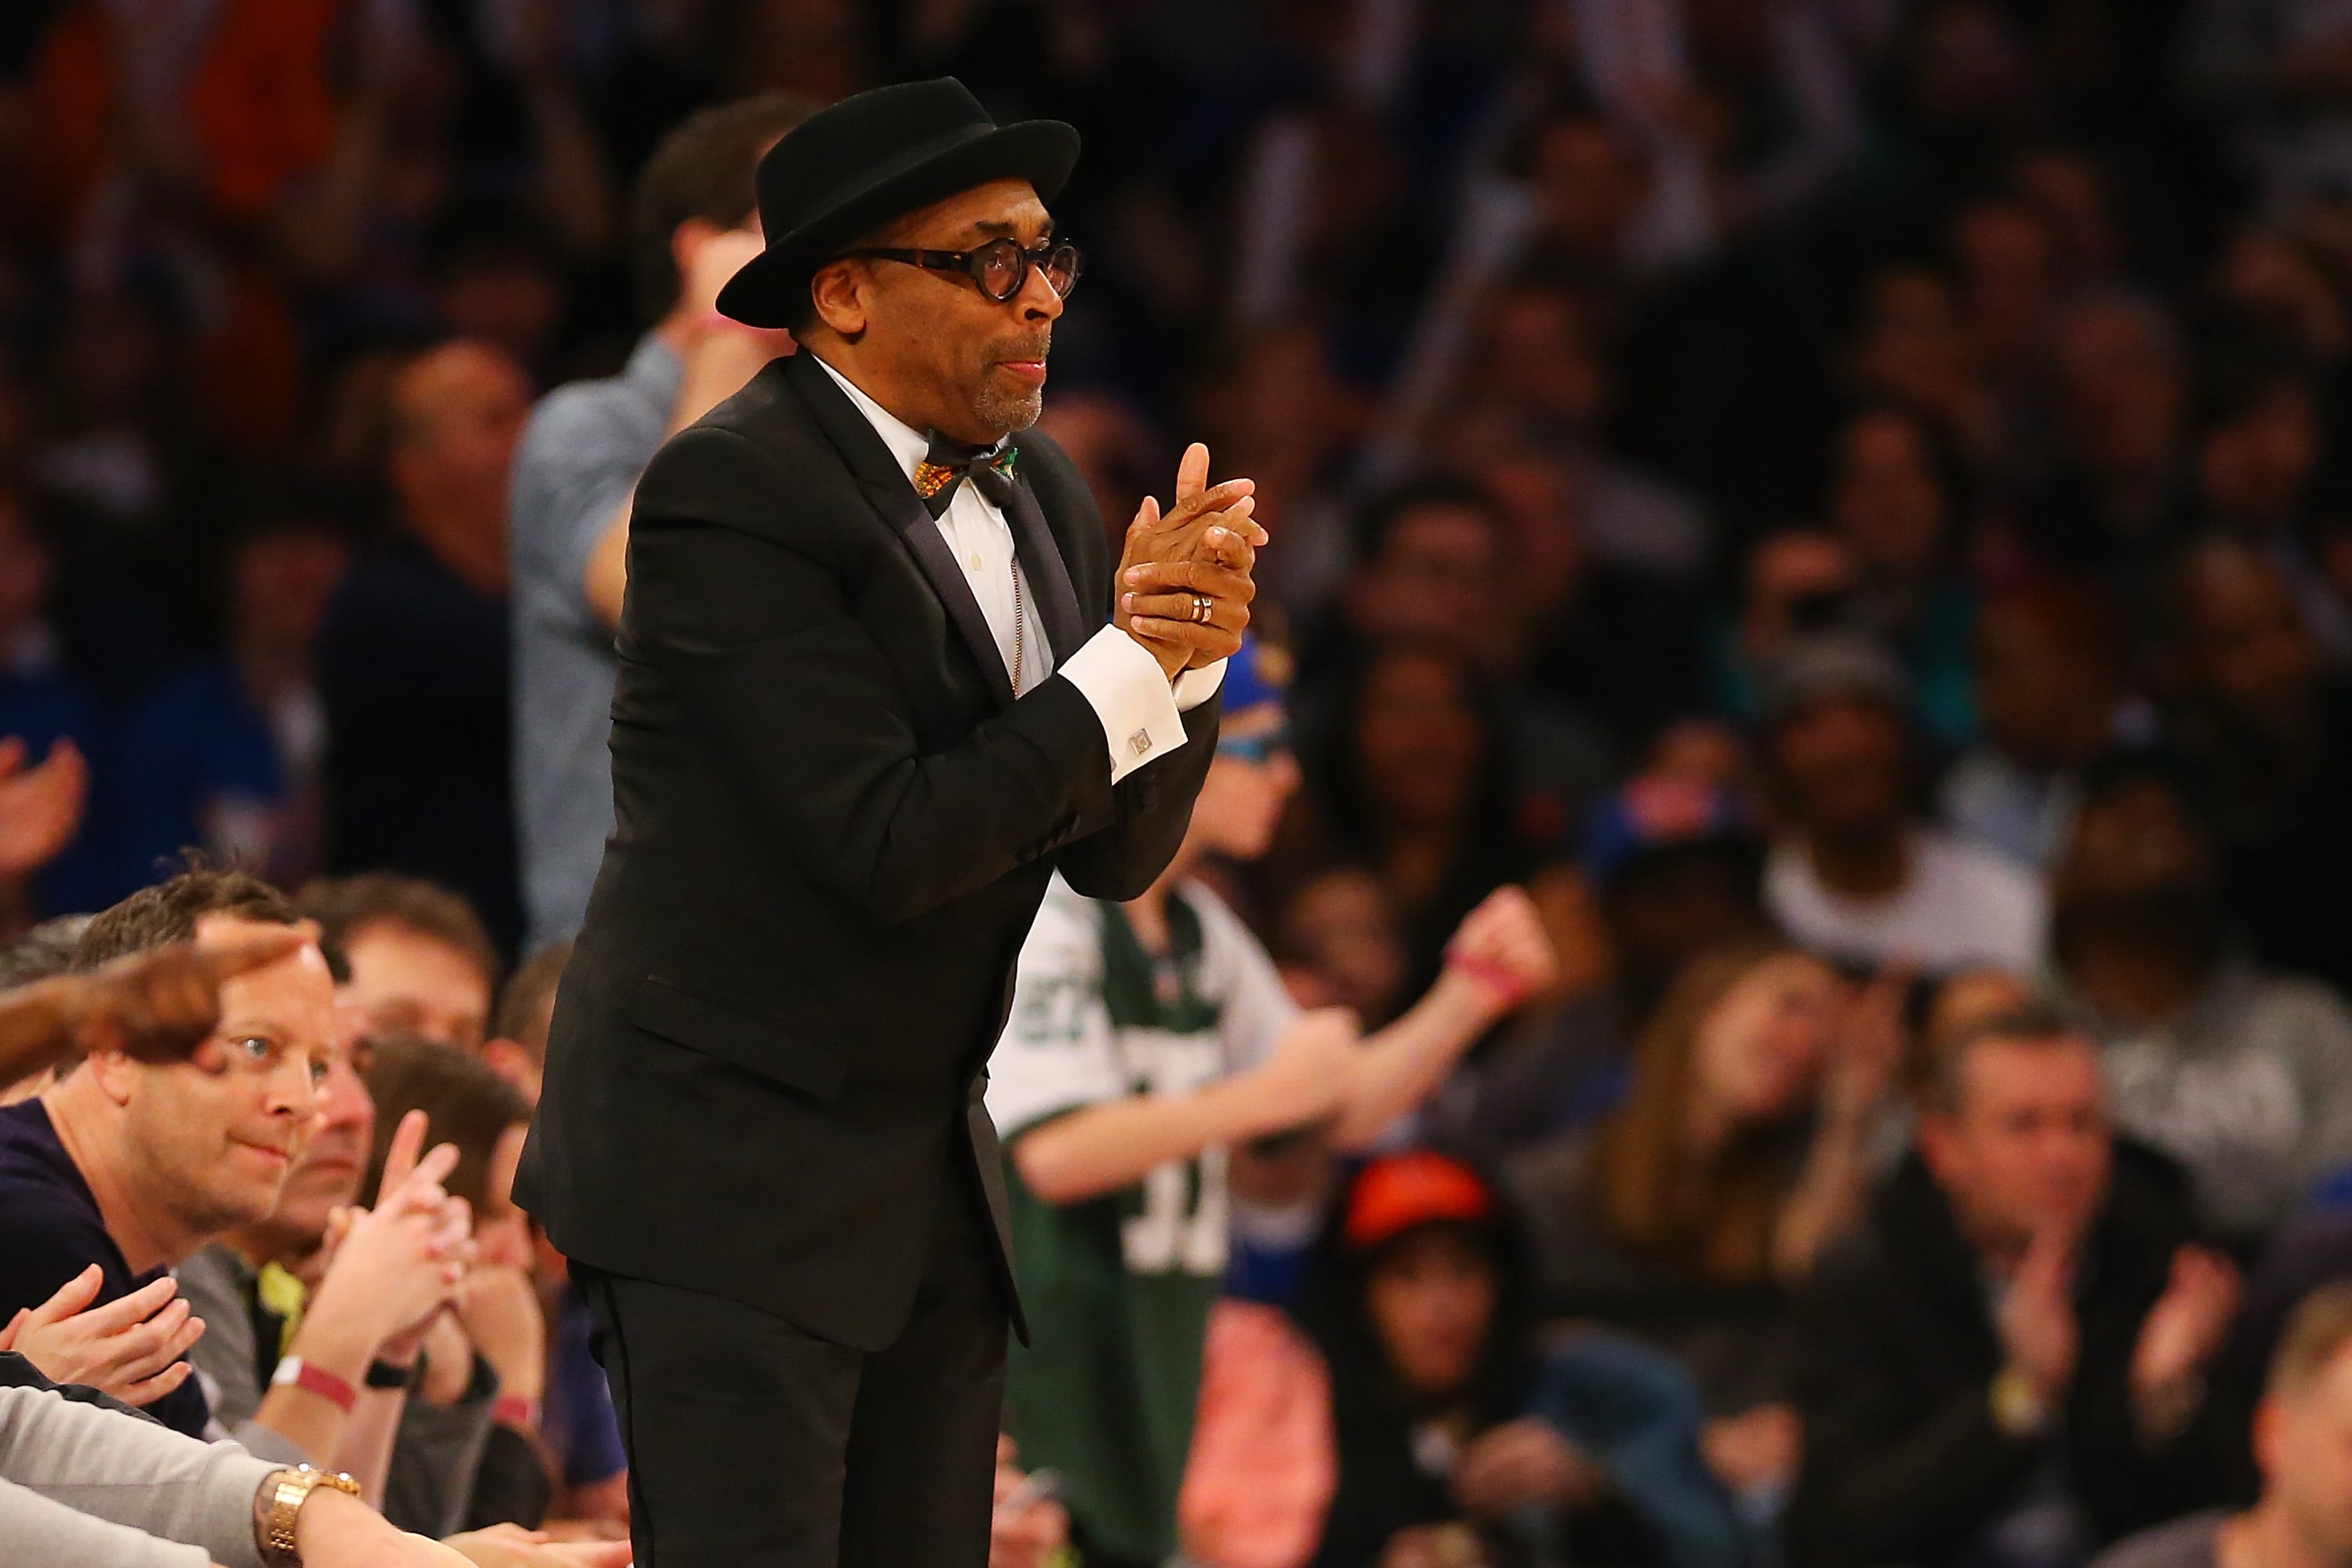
column 1130, row 694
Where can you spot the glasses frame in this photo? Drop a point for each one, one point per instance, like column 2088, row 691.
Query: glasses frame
column 973, row 263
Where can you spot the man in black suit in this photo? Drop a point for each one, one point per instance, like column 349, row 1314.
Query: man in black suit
column 869, row 705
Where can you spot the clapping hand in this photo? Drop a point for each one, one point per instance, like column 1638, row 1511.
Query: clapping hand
column 2178, row 1336
column 130, row 1348
column 1184, row 586
column 1502, row 947
column 40, row 807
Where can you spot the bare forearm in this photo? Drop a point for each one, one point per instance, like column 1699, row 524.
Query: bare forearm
column 1402, row 1063
column 365, row 1452
column 37, row 1026
column 1828, row 1196
column 333, row 1342
column 1105, row 1147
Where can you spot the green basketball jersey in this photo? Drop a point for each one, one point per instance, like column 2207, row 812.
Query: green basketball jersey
column 1118, row 1288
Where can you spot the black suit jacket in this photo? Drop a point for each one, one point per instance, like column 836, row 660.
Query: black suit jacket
column 834, row 825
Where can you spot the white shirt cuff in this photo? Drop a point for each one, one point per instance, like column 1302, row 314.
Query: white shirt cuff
column 1130, row 694
column 1194, row 687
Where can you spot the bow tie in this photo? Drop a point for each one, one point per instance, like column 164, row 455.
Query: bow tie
column 989, row 467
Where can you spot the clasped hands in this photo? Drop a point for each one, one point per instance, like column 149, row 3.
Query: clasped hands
column 1183, row 589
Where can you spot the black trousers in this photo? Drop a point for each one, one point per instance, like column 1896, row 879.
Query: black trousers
column 753, row 1444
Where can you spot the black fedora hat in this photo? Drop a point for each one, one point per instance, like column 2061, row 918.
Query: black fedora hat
column 866, row 160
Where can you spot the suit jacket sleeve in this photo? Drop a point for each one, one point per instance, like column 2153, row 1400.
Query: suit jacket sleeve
column 744, row 615
column 1154, row 806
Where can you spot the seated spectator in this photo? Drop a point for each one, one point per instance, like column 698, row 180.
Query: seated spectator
column 2259, row 477
column 421, row 962
column 1433, row 568
column 2049, row 692
column 1853, row 875
column 517, row 1050
column 318, row 1347
column 1146, row 1040
column 1419, row 781
column 413, row 666
column 225, row 755
column 1620, row 642
column 2248, row 696
column 1743, row 1149
column 495, row 1330
column 2005, row 1365
column 1417, row 1419
column 1677, row 868
column 2304, row 1514
column 1340, row 945
column 2241, row 1074
column 1894, row 500
column 125, row 1167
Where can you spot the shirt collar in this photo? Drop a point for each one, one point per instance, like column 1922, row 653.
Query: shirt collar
column 907, row 444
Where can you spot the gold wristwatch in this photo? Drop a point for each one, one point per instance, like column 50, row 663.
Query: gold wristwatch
column 281, row 1505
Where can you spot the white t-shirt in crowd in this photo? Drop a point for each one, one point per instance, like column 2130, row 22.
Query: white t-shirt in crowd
column 1963, row 907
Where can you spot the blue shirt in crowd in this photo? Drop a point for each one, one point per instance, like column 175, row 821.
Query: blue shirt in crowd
column 580, row 459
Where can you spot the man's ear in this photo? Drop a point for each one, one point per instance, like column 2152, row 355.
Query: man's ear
column 111, row 1073
column 838, row 291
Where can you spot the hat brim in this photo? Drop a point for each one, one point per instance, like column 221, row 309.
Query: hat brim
column 772, row 289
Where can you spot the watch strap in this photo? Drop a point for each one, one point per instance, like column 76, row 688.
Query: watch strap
column 382, row 1373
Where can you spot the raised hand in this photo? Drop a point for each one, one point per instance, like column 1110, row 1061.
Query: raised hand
column 396, row 1266
column 40, row 807
column 1205, row 544
column 1502, row 947
column 1523, row 1463
column 2038, row 1330
column 129, row 1348
column 2180, row 1334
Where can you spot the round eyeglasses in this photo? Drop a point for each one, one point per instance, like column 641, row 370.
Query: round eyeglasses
column 1001, row 268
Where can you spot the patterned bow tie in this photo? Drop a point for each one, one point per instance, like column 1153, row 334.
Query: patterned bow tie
column 989, row 467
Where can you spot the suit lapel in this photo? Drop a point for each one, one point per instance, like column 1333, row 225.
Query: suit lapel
column 1048, row 574
column 878, row 475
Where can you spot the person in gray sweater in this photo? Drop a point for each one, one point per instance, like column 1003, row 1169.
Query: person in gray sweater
column 93, row 1486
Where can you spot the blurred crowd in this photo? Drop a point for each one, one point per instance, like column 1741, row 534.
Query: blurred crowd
column 1846, row 502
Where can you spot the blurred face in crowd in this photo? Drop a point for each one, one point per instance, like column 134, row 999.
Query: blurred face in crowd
column 1676, row 904
column 1343, row 924
column 280, row 584
column 2024, row 1146
column 501, row 1231
column 407, row 981
column 2139, row 867
column 1758, row 1052
column 213, row 1139
column 2245, row 652
column 2122, row 389
column 1430, row 1297
column 327, row 1174
column 2004, row 258
column 1542, row 499
column 1437, row 579
column 1844, row 765
column 457, row 413
column 2254, row 469
column 1536, row 353
column 1590, row 185
column 1887, row 499
column 2047, row 680
column 1240, row 801
column 930, row 346
column 1419, row 741
column 2302, row 1442
column 1912, row 347
column 24, row 571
